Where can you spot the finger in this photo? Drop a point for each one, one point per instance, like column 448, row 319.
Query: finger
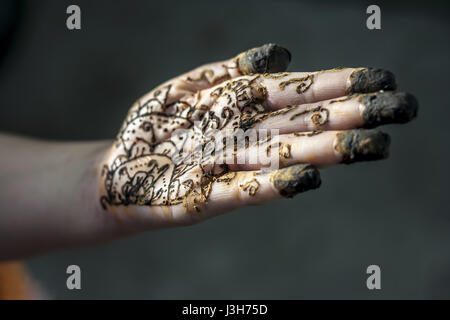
column 282, row 89
column 265, row 59
column 238, row 189
column 321, row 149
column 351, row 112
column 222, row 194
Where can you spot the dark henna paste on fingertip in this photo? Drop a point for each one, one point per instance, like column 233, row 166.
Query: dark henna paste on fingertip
column 388, row 107
column 362, row 145
column 268, row 58
column 296, row 179
column 370, row 80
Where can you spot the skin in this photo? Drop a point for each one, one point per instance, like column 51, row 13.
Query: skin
column 59, row 195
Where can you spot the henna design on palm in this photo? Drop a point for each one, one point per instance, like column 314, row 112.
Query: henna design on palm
column 144, row 171
column 167, row 152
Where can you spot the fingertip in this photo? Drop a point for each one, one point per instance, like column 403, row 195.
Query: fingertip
column 296, row 179
column 362, row 145
column 388, row 107
column 269, row 58
column 365, row 80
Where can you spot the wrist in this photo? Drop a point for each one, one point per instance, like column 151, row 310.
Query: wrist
column 100, row 223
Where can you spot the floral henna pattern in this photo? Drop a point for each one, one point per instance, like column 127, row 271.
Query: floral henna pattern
column 158, row 158
column 153, row 162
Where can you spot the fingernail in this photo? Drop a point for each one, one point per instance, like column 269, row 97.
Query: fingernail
column 296, row 179
column 370, row 80
column 362, row 145
column 268, row 58
column 388, row 107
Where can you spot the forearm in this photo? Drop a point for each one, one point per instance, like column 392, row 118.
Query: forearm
column 49, row 196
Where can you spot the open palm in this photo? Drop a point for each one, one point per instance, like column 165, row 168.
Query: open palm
column 244, row 131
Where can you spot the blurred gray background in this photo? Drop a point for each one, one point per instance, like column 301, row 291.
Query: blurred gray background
column 71, row 85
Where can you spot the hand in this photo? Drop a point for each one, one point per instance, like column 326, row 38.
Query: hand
column 172, row 163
